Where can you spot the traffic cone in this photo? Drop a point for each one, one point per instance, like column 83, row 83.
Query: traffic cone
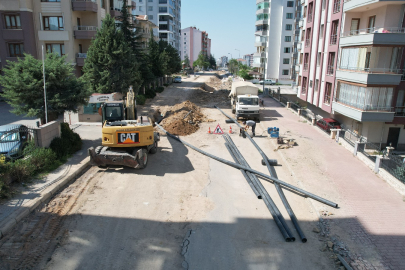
column 230, row 129
column 209, row 130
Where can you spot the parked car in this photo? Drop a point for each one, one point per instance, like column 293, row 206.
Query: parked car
column 177, row 79
column 268, row 81
column 13, row 139
column 328, row 123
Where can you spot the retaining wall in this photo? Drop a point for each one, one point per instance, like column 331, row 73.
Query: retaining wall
column 46, row 133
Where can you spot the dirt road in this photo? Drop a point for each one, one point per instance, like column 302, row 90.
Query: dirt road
column 184, row 211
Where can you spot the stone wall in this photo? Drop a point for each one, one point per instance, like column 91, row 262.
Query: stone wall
column 46, row 133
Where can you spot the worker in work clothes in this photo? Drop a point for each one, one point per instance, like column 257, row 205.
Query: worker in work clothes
column 250, row 123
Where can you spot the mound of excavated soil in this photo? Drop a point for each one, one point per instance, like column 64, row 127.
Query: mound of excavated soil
column 182, row 119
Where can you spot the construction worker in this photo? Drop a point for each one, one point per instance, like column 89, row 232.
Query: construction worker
column 250, row 123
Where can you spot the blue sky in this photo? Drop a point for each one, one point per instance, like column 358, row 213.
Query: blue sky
column 230, row 24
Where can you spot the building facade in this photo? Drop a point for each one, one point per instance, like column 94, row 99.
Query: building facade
column 194, row 41
column 62, row 27
column 146, row 28
column 249, row 59
column 352, row 63
column 165, row 14
column 274, row 39
column 224, row 61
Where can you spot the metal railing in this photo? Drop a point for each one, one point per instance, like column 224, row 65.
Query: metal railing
column 81, row 55
column 330, row 70
column 336, row 7
column 303, row 90
column 373, row 30
column 365, row 107
column 333, row 39
column 85, row 28
column 394, row 165
column 305, row 66
column 373, row 70
column 399, row 111
column 307, row 114
column 307, row 42
column 309, row 18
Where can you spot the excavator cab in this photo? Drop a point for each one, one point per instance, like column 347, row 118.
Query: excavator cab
column 112, row 112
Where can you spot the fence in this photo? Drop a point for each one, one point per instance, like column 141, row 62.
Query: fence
column 394, row 165
column 307, row 114
column 13, row 141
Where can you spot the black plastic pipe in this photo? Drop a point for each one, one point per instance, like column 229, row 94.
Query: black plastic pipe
column 261, row 188
column 235, row 165
column 280, row 192
column 254, row 188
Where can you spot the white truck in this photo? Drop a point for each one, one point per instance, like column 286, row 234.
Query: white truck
column 244, row 100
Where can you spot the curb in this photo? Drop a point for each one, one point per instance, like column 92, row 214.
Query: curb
column 11, row 221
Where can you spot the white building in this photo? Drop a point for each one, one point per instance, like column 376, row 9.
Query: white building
column 274, row 39
column 224, row 61
column 165, row 14
column 249, row 59
column 193, row 41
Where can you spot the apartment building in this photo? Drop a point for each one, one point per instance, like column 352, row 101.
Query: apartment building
column 165, row 14
column 224, row 61
column 62, row 27
column 249, row 59
column 352, row 61
column 274, row 39
column 194, row 41
column 145, row 28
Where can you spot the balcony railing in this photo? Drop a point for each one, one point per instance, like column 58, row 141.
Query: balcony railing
column 81, row 55
column 305, row 66
column 307, row 42
column 373, row 70
column 374, row 30
column 330, row 70
column 399, row 111
column 85, row 28
column 333, row 39
column 303, row 90
column 365, row 107
column 309, row 19
column 336, row 7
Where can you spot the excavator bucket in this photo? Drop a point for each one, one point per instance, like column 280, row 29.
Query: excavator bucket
column 101, row 156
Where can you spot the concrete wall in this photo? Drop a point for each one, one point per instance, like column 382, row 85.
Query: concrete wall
column 46, row 133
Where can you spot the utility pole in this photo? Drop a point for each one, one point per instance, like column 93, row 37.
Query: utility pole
column 43, row 70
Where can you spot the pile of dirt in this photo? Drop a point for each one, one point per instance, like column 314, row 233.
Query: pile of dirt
column 219, row 84
column 182, row 119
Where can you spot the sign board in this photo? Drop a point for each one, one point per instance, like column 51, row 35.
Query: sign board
column 218, row 130
column 97, row 98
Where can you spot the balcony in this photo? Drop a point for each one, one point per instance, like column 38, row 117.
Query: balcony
column 115, row 12
column 46, row 35
column 367, row 76
column 85, row 32
column 262, row 11
column 299, row 46
column 330, row 70
column 336, row 7
column 305, row 66
column 333, row 40
column 260, row 44
column 363, row 113
column 258, row 65
column 309, row 18
column 361, row 5
column 261, row 33
column 297, row 68
column 260, row 1
column 84, row 5
column 301, row 23
column 374, row 36
column 260, row 55
column 80, row 59
column 307, row 42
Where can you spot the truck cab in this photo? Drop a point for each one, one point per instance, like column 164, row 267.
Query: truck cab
column 247, row 106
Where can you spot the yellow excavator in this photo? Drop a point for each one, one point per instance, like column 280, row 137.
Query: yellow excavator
column 126, row 139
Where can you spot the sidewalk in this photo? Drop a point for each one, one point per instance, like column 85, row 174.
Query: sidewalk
column 41, row 189
column 371, row 215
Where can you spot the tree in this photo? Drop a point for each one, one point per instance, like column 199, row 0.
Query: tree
column 213, row 62
column 165, row 59
column 233, row 65
column 23, row 86
column 111, row 64
column 186, row 61
column 173, row 60
column 244, row 72
column 202, row 61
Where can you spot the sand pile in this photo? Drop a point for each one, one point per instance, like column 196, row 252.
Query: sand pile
column 182, row 119
column 219, row 84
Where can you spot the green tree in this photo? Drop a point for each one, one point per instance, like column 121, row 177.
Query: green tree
column 173, row 60
column 244, row 72
column 202, row 61
column 213, row 62
column 111, row 64
column 233, row 65
column 23, row 86
column 186, row 61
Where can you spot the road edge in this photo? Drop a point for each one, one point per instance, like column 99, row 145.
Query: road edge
column 11, row 221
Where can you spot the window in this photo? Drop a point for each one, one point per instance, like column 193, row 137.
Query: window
column 289, row 16
column 331, row 63
column 16, row 49
column 310, row 83
column 184, row 33
column 150, row 8
column 285, row 71
column 140, row 8
column 53, row 23
column 287, row 49
column 50, row 0
column 328, row 91
column 288, row 27
column 150, row 17
column 316, row 85
column 301, row 57
column 140, row 1
column 318, row 59
column 287, row 38
column 286, row 61
column 303, row 35
column 163, row 9
column 321, row 32
column 150, row 0
column 334, row 30
column 59, row 49
column 304, row 86
column 13, row 21
column 185, row 42
column 290, row 3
